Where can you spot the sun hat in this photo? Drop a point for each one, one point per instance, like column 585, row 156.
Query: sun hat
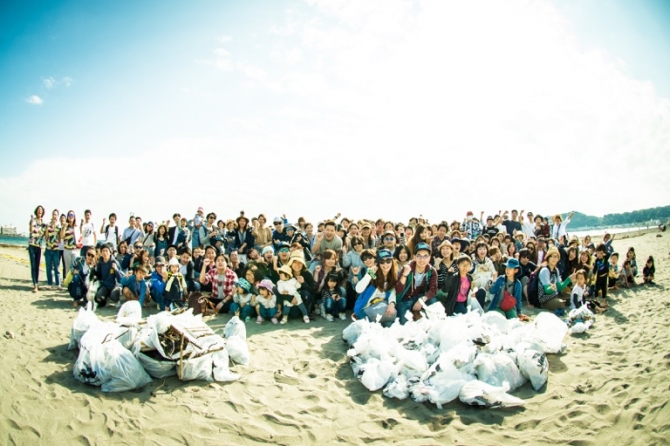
column 237, row 220
column 277, row 220
column 443, row 244
column 289, row 227
column 286, row 270
column 268, row 249
column 173, row 261
column 267, row 284
column 244, row 284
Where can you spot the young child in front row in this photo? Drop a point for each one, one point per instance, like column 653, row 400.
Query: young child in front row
column 242, row 305
column 614, row 274
column 601, row 267
column 334, row 304
column 175, row 286
column 648, row 271
column 287, row 286
column 627, row 276
column 266, row 302
column 579, row 291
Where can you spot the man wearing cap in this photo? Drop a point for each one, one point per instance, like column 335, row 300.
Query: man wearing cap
column 282, row 257
column 279, row 235
column 417, row 283
column 388, row 241
column 471, row 225
column 157, row 284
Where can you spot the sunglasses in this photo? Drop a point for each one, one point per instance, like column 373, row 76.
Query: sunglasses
column 382, row 261
column 88, row 254
column 284, row 250
column 389, row 239
column 276, row 224
column 138, row 247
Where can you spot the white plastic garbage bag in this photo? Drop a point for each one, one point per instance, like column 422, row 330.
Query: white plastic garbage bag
column 376, row 373
column 238, row 350
column 157, row 368
column 130, row 313
column 498, row 369
column 84, row 320
column 197, row 368
column 550, row 330
column 124, row 369
column 221, row 371
column 534, row 366
column 397, row 388
column 353, row 331
column 478, row 393
column 235, row 327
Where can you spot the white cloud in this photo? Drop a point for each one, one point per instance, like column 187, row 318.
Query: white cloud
column 35, row 100
column 67, row 81
column 49, row 82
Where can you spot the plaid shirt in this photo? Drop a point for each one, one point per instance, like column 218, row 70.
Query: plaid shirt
column 228, row 282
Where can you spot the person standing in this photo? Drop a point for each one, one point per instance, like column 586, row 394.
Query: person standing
column 68, row 236
column 87, row 231
column 51, row 252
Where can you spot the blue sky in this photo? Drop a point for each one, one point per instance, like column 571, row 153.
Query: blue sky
column 305, row 106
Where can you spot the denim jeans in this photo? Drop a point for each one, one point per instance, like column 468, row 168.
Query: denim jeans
column 245, row 311
column 335, row 308
column 460, row 308
column 51, row 256
column 35, row 254
column 405, row 305
column 267, row 313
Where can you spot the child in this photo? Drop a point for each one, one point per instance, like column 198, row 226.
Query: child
column 134, row 286
column 288, row 286
column 242, row 300
column 648, row 271
column 601, row 268
column 614, row 274
column 457, row 296
column 175, row 286
column 630, row 255
column 334, row 303
column 158, row 278
column 579, row 291
column 627, row 274
column 266, row 302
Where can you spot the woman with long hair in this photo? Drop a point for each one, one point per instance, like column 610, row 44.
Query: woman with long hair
column 244, row 238
column 161, row 241
column 377, row 295
column 262, row 234
column 51, row 253
column 69, row 240
column 418, row 237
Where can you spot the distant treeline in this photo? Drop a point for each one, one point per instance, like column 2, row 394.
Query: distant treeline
column 641, row 217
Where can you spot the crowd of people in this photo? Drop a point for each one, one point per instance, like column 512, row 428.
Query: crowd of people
column 379, row 270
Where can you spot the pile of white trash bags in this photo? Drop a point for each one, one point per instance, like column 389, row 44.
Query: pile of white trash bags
column 475, row 357
column 125, row 354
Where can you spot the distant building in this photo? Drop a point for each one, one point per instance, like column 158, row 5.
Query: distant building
column 8, row 230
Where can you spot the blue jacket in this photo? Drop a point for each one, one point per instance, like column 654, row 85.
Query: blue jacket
column 139, row 288
column 498, row 291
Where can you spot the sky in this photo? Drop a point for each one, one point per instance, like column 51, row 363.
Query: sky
column 374, row 109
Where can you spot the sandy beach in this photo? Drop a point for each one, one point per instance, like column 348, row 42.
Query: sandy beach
column 611, row 385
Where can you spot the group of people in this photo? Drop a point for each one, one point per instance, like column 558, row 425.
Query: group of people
column 378, row 270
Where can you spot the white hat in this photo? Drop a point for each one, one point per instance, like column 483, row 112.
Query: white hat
column 173, row 261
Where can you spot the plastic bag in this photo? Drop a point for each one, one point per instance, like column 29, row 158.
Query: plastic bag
column 534, row 366
column 498, row 369
column 550, row 330
column 220, row 370
column 84, row 320
column 125, row 370
column 376, row 373
column 353, row 331
column 197, row 368
column 155, row 367
column 235, row 327
column 130, row 313
column 478, row 393
column 238, row 350
column 397, row 388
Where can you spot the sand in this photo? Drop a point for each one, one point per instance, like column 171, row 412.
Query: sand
column 611, row 385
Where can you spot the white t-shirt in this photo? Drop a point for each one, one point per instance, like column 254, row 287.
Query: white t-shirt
column 87, row 234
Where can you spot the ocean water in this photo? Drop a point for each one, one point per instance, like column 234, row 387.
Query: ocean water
column 17, row 241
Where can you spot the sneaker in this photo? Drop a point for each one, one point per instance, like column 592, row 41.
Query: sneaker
column 284, row 320
column 343, row 317
column 274, row 320
column 247, row 319
column 259, row 320
column 329, row 317
column 306, row 319
column 323, row 309
column 317, row 310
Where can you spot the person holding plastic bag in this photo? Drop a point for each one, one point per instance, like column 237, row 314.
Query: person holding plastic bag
column 377, row 295
column 417, row 283
column 506, row 291
column 80, row 276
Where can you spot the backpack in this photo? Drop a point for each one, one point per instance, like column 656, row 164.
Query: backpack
column 532, row 290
